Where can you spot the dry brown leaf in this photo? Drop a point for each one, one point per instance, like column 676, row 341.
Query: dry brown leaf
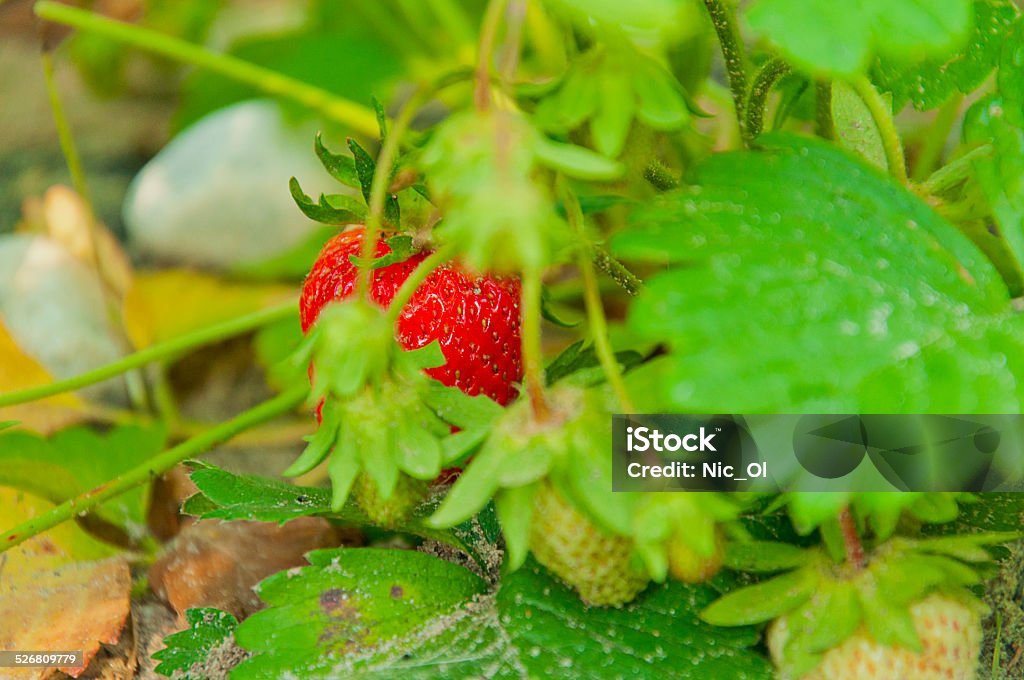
column 50, row 601
column 165, row 304
column 216, row 564
column 18, row 371
column 63, row 216
column 76, row 607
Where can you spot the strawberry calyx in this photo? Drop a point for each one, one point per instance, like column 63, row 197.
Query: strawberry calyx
column 824, row 602
column 684, row 533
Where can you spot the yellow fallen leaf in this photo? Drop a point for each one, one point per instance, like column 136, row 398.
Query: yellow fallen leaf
column 51, row 601
column 19, row 371
column 165, row 304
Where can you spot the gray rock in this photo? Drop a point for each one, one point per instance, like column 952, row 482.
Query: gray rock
column 53, row 306
column 217, row 195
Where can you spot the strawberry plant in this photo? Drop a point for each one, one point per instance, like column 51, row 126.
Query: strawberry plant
column 549, row 212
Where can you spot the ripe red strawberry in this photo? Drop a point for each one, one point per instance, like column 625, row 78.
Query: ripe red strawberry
column 475, row 319
column 950, row 634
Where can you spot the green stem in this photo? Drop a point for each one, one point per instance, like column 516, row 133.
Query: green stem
column 379, row 189
column 592, row 300
column 660, row 177
column 163, row 350
column 155, row 466
column 418, row 276
column 616, row 270
column 824, row 125
column 533, row 361
column 882, row 115
column 724, row 20
column 935, row 138
column 763, row 83
column 955, row 172
column 68, row 147
column 359, row 118
column 485, row 51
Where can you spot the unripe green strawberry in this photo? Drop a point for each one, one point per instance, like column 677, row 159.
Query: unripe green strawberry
column 597, row 564
column 389, row 513
column 950, row 634
column 687, row 565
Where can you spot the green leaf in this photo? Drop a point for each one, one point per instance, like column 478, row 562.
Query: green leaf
column 897, row 310
column 341, row 168
column 855, row 127
column 334, row 209
column 763, row 601
column 931, row 82
column 347, row 603
column 763, row 556
column 223, row 495
column 77, row 460
column 401, row 250
column 363, row 613
column 365, row 169
column 514, row 507
column 319, row 443
column 578, row 357
column 839, row 39
column 187, row 651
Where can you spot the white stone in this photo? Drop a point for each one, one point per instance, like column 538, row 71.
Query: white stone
column 54, row 308
column 217, row 195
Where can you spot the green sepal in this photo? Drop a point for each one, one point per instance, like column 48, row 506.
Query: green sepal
column 8, row 423
column 764, row 556
column 610, row 125
column 461, row 410
column 888, row 623
column 549, row 315
column 659, row 102
column 382, row 119
column 529, row 464
column 966, row 548
column 333, row 209
column 426, row 357
column 763, row 601
column 417, row 449
column 576, row 161
column 837, row 605
column 341, row 168
column 319, row 443
column 655, row 559
column 515, row 511
column 460, row 445
column 342, row 468
column 377, row 451
column 365, row 169
column 401, row 250
column 471, row 491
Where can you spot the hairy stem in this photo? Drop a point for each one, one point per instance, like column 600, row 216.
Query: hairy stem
column 935, row 138
column 882, row 115
column 533, row 363
column 592, row 300
column 615, row 270
column 763, row 83
column 157, row 352
column 485, row 51
column 824, row 125
column 851, row 539
column 152, row 468
column 724, row 20
column 352, row 115
column 379, row 189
